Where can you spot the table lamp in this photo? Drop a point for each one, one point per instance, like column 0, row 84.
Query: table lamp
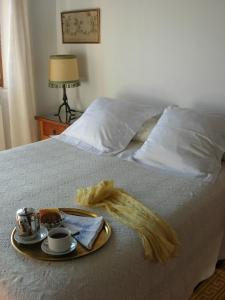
column 63, row 72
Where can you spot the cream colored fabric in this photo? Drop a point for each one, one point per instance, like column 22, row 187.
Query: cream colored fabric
column 158, row 238
column 146, row 129
column 18, row 73
column 63, row 68
column 2, row 134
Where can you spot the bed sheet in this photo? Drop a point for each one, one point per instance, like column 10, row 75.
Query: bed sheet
column 126, row 154
column 47, row 174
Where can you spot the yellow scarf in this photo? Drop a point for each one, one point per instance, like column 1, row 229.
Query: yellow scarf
column 158, row 238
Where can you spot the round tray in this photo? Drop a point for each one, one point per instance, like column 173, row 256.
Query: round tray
column 35, row 251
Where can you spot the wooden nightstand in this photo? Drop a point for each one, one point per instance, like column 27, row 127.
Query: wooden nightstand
column 50, row 125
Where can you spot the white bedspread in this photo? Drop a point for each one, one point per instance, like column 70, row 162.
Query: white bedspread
column 46, row 174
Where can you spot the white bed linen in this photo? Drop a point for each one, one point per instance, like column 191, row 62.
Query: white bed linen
column 108, row 125
column 46, row 174
column 183, row 141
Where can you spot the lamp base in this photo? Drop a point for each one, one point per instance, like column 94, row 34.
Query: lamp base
column 71, row 114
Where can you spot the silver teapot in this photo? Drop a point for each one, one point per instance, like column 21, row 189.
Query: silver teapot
column 27, row 222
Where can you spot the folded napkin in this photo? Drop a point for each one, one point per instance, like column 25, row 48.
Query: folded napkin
column 88, row 228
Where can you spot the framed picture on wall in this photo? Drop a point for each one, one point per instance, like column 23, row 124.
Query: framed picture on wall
column 81, row 26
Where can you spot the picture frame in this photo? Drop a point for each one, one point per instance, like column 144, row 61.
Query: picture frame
column 81, row 26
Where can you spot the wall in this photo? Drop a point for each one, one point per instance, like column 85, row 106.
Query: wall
column 89, row 58
column 169, row 51
column 42, row 18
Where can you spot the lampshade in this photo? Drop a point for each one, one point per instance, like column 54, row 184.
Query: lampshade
column 63, row 70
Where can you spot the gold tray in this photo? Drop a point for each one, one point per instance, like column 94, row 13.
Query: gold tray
column 35, row 251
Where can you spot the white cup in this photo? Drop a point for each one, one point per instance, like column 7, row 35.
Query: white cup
column 59, row 239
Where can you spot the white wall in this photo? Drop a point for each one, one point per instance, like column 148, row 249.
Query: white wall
column 170, row 51
column 42, row 18
column 89, row 58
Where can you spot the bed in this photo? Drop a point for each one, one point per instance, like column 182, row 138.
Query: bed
column 175, row 171
column 47, row 174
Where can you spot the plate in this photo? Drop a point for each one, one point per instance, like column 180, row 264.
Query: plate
column 41, row 235
column 45, row 248
column 54, row 225
column 34, row 251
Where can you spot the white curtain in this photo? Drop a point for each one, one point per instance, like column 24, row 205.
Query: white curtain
column 18, row 73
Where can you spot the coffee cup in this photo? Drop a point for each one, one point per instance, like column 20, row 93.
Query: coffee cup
column 59, row 239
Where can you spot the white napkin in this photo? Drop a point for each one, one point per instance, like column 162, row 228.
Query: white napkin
column 88, row 228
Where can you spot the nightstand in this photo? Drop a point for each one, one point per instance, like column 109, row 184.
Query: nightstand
column 50, row 125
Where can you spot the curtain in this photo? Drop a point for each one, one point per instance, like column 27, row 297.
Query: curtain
column 18, row 73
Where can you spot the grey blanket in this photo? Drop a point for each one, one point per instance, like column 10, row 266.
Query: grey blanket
column 47, row 174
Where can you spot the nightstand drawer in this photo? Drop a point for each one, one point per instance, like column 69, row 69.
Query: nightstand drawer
column 50, row 125
column 52, row 129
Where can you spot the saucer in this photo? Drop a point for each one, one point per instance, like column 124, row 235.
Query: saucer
column 41, row 235
column 45, row 248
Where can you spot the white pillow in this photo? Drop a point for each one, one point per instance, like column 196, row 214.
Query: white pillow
column 183, row 141
column 108, row 125
column 217, row 122
column 145, row 130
